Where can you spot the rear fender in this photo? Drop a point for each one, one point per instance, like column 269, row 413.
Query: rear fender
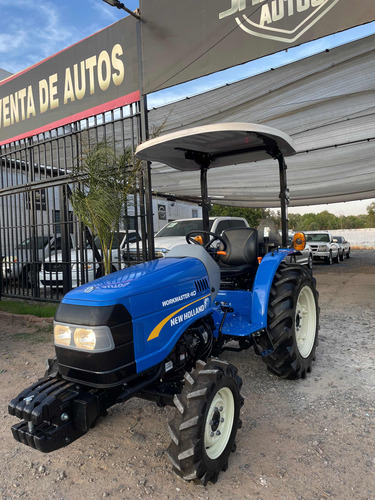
column 262, row 285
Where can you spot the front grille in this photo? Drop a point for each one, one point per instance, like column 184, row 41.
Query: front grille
column 201, row 285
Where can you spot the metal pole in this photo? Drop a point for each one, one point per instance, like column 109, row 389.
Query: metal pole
column 284, row 199
column 34, row 233
column 134, row 14
column 1, row 265
column 144, row 137
column 120, row 5
column 65, row 240
column 205, row 200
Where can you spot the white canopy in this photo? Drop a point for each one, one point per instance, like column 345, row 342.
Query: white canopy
column 221, row 144
column 326, row 103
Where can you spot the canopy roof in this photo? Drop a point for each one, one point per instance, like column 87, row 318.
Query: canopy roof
column 217, row 145
column 325, row 103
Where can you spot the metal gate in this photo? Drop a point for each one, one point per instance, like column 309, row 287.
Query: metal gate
column 45, row 250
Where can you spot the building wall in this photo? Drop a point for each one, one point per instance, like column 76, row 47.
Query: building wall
column 358, row 238
column 166, row 211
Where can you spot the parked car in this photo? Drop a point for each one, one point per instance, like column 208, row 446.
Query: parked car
column 323, row 246
column 344, row 247
column 84, row 267
column 18, row 265
column 174, row 233
column 304, row 257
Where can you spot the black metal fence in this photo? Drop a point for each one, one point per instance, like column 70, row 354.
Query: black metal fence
column 45, row 251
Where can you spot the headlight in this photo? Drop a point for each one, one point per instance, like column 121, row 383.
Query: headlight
column 85, row 338
column 85, row 266
column 95, row 338
column 10, row 259
column 62, row 334
column 160, row 252
column 322, row 248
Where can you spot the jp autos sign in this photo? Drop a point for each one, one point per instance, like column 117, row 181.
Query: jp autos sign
column 180, row 41
column 96, row 75
column 198, row 38
column 281, row 20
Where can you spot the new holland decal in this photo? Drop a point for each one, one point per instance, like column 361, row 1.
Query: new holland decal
column 175, row 318
column 281, row 20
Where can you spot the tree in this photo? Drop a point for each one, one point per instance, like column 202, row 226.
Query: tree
column 371, row 215
column 295, row 222
column 104, row 182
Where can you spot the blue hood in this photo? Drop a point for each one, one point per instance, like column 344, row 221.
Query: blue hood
column 140, row 279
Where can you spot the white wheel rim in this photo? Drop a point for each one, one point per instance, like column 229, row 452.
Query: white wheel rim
column 305, row 321
column 219, row 423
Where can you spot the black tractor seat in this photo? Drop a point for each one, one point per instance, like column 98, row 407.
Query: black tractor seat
column 241, row 252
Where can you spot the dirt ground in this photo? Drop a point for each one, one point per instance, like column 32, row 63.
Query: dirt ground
column 310, row 439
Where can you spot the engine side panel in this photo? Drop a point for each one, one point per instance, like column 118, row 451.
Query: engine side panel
column 179, row 306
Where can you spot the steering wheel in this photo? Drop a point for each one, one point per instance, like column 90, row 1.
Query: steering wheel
column 190, row 238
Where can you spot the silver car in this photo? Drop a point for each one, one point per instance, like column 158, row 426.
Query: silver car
column 303, row 257
column 18, row 265
column 344, row 247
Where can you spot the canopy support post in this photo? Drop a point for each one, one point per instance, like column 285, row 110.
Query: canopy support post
column 205, row 199
column 204, row 161
column 144, row 135
column 284, row 199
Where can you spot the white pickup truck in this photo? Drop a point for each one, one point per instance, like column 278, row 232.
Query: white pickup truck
column 323, row 246
column 174, row 233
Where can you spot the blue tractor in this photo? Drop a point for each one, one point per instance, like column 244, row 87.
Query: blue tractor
column 156, row 330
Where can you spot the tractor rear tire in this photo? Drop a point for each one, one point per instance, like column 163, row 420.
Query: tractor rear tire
column 204, row 430
column 293, row 322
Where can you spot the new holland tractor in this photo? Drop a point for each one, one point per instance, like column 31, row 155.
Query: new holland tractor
column 157, row 330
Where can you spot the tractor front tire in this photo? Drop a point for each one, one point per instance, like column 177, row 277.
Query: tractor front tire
column 293, row 322
column 204, row 430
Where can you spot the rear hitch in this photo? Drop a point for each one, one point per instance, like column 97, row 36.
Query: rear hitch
column 55, row 413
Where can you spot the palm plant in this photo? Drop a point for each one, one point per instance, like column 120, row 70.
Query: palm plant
column 104, row 182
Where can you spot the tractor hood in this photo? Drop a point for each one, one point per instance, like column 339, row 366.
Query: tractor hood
column 154, row 276
column 141, row 306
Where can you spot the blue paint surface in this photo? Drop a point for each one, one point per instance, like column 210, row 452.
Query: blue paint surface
column 163, row 299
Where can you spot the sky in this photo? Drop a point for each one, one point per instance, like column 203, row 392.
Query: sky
column 32, row 31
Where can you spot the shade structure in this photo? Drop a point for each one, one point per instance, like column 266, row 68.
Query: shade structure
column 325, row 103
column 219, row 145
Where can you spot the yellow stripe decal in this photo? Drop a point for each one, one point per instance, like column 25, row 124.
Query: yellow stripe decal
column 156, row 331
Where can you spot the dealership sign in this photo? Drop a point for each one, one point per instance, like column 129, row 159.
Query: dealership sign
column 198, row 38
column 282, row 20
column 93, row 76
column 180, row 41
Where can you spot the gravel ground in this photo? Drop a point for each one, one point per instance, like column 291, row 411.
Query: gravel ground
column 310, row 439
